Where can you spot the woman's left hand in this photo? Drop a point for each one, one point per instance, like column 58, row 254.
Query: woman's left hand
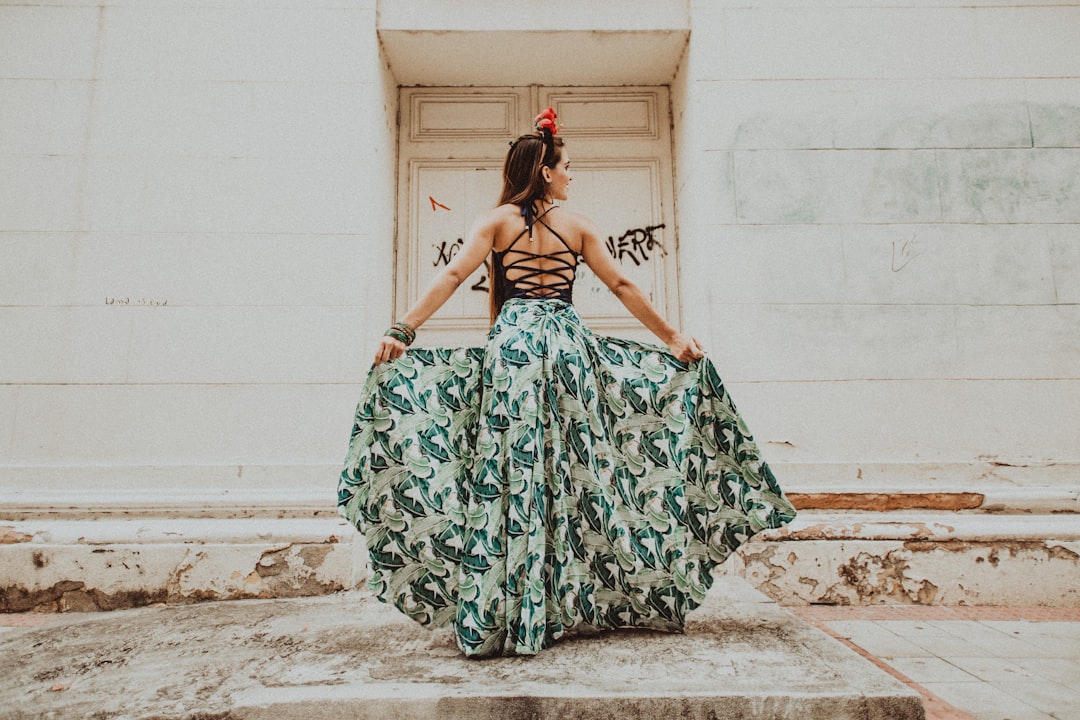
column 686, row 347
column 389, row 349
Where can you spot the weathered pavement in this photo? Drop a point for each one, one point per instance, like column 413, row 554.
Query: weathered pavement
column 347, row 655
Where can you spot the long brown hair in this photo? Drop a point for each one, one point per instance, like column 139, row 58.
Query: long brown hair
column 523, row 185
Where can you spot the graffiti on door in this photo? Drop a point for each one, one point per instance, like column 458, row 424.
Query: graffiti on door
column 636, row 245
column 445, row 252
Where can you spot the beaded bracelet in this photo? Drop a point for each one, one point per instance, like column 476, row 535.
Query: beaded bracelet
column 410, row 333
column 401, row 331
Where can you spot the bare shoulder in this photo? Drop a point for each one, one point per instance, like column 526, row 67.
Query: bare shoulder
column 581, row 226
column 492, row 223
column 577, row 219
column 501, row 217
column 506, row 211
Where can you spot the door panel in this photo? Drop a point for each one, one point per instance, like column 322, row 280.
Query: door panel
column 453, row 142
column 451, row 193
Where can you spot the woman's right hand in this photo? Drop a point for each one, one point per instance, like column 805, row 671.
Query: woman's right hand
column 389, row 349
column 685, row 347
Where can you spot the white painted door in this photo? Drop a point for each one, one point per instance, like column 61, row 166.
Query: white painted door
column 452, row 144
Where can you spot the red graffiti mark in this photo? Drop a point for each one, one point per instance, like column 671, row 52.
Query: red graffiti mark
column 435, row 204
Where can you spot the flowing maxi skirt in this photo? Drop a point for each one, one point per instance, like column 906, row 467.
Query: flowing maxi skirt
column 551, row 481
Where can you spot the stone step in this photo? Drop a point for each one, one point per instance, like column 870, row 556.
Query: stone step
column 939, row 526
column 347, row 655
column 822, row 557
column 69, row 565
column 309, row 491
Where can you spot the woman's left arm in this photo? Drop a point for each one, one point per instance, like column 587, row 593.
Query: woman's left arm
column 685, row 347
column 476, row 247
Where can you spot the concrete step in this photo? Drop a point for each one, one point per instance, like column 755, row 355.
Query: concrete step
column 347, row 655
column 308, row 491
column 73, row 565
column 929, row 557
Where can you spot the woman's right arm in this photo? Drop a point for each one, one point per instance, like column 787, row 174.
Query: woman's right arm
column 476, row 247
column 682, row 346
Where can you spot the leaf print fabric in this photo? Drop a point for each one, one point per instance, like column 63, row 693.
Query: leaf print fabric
column 552, row 481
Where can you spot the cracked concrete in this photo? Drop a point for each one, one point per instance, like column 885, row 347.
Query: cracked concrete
column 347, row 655
column 79, row 578
column 848, row 556
column 923, row 572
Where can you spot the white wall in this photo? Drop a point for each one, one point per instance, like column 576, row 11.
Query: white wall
column 887, row 203
column 195, row 235
column 877, row 211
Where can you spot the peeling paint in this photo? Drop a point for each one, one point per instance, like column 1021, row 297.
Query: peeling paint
column 293, row 571
column 877, row 577
column 73, row 596
column 921, row 572
column 314, row 555
column 9, row 536
column 1060, row 552
column 172, row 587
column 927, row 593
column 909, row 529
column 884, row 502
column 272, row 563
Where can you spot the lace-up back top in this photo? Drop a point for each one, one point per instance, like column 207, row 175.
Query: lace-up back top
column 518, row 272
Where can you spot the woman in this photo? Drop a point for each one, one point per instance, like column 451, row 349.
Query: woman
column 551, row 481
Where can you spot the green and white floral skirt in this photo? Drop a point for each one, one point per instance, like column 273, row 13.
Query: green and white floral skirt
column 552, row 481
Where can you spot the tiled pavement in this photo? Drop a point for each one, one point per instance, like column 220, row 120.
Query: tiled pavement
column 987, row 663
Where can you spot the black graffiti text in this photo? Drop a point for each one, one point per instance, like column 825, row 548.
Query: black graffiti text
column 481, row 284
column 445, row 251
column 635, row 244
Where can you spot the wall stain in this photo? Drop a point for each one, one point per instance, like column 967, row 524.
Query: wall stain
column 9, row 536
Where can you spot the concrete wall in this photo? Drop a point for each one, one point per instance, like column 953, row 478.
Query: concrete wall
column 887, row 204
column 877, row 211
column 197, row 199
column 880, row 208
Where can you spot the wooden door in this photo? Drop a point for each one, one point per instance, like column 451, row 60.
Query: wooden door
column 452, row 145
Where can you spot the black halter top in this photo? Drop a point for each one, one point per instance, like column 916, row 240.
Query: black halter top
column 526, row 283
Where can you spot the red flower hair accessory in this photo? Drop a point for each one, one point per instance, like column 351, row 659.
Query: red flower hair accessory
column 546, row 121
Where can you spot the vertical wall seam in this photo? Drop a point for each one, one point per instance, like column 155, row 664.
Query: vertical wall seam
column 734, row 185
column 1031, row 125
column 940, row 191
column 14, row 421
column 88, row 128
